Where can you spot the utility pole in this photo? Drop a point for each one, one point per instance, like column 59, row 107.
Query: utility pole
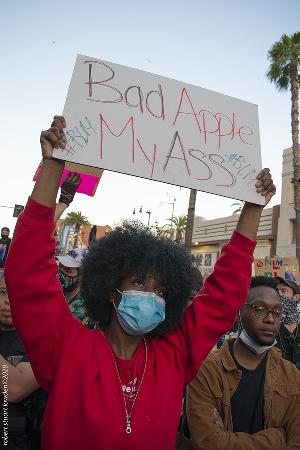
column 149, row 214
column 190, row 221
column 141, row 211
column 173, row 207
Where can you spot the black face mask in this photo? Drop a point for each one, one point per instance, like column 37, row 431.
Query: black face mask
column 4, row 236
column 68, row 283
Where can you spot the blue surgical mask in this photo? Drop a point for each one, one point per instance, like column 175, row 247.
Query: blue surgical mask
column 253, row 345
column 140, row 312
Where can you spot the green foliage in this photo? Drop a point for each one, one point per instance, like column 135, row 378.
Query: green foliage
column 76, row 219
column 284, row 72
column 282, row 55
column 176, row 227
column 179, row 222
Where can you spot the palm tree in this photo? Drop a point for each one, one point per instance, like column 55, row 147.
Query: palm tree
column 284, row 56
column 177, row 224
column 76, row 219
column 190, row 221
column 239, row 207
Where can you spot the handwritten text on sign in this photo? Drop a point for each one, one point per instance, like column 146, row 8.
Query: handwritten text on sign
column 286, row 268
column 142, row 124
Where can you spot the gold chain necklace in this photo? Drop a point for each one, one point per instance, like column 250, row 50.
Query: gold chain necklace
column 129, row 415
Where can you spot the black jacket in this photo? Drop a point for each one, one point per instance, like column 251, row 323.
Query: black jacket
column 289, row 344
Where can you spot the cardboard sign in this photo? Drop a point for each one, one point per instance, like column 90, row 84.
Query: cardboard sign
column 286, row 268
column 142, row 124
column 90, row 177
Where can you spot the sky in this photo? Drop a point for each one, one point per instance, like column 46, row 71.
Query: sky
column 218, row 45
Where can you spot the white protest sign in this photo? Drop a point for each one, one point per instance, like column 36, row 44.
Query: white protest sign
column 134, row 122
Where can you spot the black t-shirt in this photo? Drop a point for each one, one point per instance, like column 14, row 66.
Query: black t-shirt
column 12, row 349
column 247, row 403
column 4, row 246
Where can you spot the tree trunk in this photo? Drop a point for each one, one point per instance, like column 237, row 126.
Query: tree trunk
column 178, row 238
column 296, row 150
column 190, row 221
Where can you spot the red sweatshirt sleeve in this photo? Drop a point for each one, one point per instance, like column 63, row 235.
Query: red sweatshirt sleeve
column 215, row 306
column 39, row 311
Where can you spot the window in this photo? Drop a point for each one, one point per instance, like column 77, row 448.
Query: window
column 207, row 260
column 198, row 259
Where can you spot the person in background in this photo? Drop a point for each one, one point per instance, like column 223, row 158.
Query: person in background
column 17, row 379
column 93, row 235
column 4, row 245
column 246, row 396
column 68, row 274
column 111, row 389
column 288, row 288
column 232, row 333
column 69, row 277
column 196, row 286
column 289, row 334
column 57, row 245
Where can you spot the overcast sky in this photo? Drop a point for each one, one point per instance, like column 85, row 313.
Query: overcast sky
column 218, row 45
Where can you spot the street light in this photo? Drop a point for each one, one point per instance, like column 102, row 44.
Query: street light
column 173, row 206
column 141, row 211
column 149, row 214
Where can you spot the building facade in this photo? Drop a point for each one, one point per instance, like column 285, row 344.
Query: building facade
column 276, row 235
column 286, row 239
column 67, row 235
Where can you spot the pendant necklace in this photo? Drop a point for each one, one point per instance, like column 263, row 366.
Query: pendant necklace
column 128, row 414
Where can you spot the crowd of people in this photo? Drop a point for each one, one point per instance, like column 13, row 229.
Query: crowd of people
column 115, row 347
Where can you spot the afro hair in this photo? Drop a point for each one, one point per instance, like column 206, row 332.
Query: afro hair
column 132, row 249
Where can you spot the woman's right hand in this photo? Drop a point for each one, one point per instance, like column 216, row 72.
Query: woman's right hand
column 54, row 137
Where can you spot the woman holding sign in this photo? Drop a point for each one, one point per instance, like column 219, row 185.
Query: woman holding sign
column 120, row 388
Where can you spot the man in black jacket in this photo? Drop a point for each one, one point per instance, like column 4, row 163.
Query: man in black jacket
column 18, row 382
column 4, row 245
column 289, row 334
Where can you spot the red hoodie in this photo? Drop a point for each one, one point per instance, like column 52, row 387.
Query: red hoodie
column 86, row 410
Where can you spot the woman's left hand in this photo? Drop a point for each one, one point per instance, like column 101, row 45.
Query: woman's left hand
column 265, row 185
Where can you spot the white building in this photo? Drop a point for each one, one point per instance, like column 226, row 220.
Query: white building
column 276, row 233
column 286, row 238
